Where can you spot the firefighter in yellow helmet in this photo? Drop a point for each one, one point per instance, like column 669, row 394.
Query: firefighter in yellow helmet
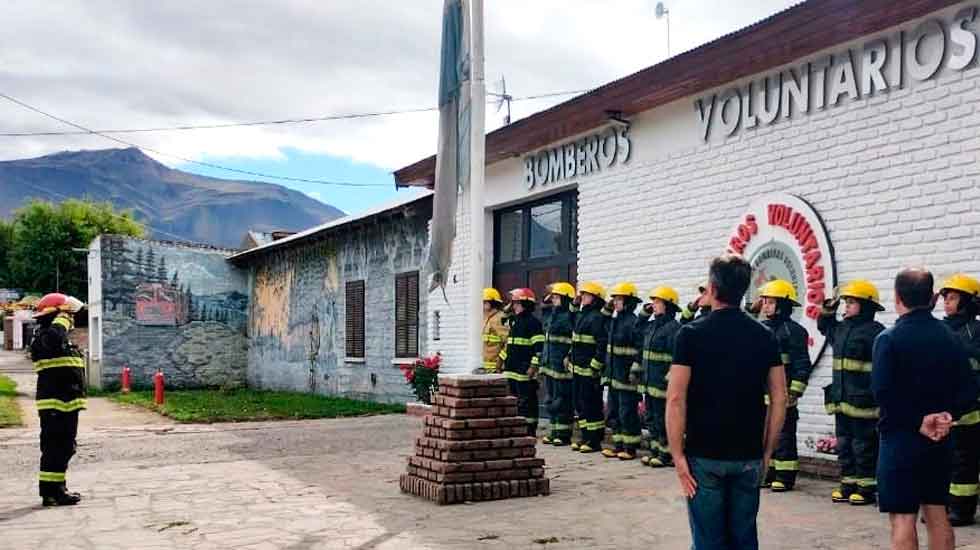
column 623, row 415
column 655, row 335
column 522, row 356
column 494, row 330
column 587, row 359
column 698, row 307
column 960, row 294
column 60, row 394
column 778, row 300
column 849, row 397
column 557, row 318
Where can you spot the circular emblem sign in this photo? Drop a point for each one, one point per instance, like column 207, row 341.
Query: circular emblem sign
column 783, row 237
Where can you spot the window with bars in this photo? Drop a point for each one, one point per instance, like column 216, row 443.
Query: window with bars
column 355, row 319
column 407, row 315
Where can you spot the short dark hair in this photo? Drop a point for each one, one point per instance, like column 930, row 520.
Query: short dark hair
column 730, row 275
column 914, row 287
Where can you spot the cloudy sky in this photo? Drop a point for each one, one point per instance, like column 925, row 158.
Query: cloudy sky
column 134, row 64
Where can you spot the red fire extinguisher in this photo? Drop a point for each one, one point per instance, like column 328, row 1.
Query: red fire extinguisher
column 158, row 388
column 126, row 379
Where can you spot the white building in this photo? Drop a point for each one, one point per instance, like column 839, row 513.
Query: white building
column 868, row 112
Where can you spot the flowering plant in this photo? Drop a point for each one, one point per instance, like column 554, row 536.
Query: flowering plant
column 423, row 376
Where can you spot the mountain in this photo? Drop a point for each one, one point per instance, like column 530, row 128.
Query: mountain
column 196, row 208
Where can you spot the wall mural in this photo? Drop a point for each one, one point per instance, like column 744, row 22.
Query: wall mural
column 173, row 307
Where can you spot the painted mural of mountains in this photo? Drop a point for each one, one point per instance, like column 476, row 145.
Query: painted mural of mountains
column 197, row 208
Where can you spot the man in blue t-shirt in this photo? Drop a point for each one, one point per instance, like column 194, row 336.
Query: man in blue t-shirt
column 721, row 433
column 921, row 379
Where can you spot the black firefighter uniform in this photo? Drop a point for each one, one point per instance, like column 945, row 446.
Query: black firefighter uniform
column 557, row 377
column 60, row 396
column 587, row 360
column 524, row 344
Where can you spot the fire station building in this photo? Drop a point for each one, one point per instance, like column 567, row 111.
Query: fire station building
column 831, row 141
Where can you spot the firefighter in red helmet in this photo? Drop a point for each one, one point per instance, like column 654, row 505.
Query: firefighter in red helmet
column 522, row 355
column 60, row 394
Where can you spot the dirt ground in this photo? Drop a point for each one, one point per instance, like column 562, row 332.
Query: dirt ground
column 334, row 484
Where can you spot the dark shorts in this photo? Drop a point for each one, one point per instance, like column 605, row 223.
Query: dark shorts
column 912, row 471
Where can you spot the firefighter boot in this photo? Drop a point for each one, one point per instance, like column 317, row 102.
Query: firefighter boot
column 585, row 448
column 61, row 499
column 862, row 497
column 610, row 453
column 626, row 455
column 547, row 440
column 575, row 446
column 843, row 493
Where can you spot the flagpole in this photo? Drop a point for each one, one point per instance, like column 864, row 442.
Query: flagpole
column 477, row 167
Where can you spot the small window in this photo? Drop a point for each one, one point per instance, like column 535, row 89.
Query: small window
column 407, row 314
column 355, row 319
column 511, row 236
column 546, row 234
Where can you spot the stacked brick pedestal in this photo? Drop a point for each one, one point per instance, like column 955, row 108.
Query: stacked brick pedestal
column 474, row 446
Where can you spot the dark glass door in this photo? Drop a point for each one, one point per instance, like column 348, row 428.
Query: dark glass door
column 535, row 244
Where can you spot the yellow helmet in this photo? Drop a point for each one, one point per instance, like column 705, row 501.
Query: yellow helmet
column 779, row 288
column 963, row 283
column 562, row 289
column 594, row 289
column 666, row 294
column 491, row 295
column 862, row 290
column 624, row 289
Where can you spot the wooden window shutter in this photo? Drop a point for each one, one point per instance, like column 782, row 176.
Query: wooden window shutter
column 355, row 319
column 407, row 315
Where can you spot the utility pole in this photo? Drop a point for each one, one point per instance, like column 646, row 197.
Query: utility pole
column 478, row 93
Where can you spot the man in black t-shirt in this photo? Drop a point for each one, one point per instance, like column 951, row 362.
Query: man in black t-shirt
column 721, row 433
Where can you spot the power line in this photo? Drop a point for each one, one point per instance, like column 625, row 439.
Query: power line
column 184, row 159
column 284, row 121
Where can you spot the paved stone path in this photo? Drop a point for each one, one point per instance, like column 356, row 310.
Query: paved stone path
column 333, row 484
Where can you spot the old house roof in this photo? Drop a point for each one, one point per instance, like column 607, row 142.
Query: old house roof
column 321, row 231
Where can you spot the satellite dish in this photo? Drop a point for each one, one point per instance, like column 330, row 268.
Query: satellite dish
column 661, row 10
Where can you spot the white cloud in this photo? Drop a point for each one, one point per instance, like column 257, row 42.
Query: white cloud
column 119, row 64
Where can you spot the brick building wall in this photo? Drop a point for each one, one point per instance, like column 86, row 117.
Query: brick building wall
column 893, row 175
column 295, row 281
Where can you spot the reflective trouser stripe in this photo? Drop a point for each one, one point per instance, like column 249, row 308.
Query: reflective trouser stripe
column 797, row 387
column 865, row 482
column 585, row 371
column 658, row 356
column 617, row 438
column 583, row 338
column 657, row 446
column 516, row 341
column 595, row 364
column 54, row 477
column 848, row 480
column 631, row 439
column 516, row 376
column 558, row 339
column 617, row 385
column 621, row 350
column 963, row 489
column 556, row 374
column 59, row 405
column 852, row 411
column 597, row 425
column 969, row 419
column 74, row 362
column 786, row 465
column 557, row 426
column 852, row 365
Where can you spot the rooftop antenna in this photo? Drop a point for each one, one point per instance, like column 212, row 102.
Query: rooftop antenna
column 502, row 98
column 663, row 12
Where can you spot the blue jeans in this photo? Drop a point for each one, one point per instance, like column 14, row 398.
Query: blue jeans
column 723, row 511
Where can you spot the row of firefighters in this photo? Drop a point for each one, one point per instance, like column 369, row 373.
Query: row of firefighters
column 586, row 344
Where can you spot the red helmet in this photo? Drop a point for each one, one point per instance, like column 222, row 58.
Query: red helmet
column 55, row 302
column 522, row 295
